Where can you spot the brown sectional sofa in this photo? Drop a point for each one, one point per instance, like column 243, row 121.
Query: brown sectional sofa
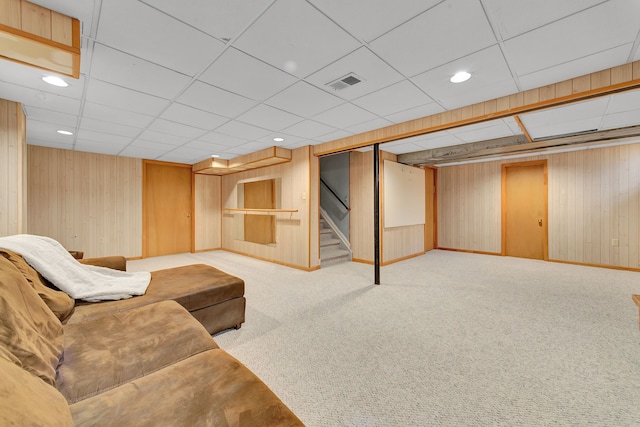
column 118, row 363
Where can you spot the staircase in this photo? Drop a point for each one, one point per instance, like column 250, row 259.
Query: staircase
column 332, row 250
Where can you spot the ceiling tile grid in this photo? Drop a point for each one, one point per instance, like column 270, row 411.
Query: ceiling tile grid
column 220, row 77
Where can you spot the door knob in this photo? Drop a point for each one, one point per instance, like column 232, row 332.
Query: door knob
column 540, row 222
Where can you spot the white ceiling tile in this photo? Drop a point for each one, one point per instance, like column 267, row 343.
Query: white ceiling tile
column 152, row 35
column 220, row 18
column 164, row 138
column 578, row 117
column 288, row 139
column 304, row 100
column 26, row 76
column 242, row 74
column 452, row 29
column 88, row 123
column 104, row 93
column 575, row 37
column 512, row 18
column 308, row 129
column 621, row 102
column 98, row 147
column 293, row 36
column 374, row 72
column 344, row 116
column 102, row 137
column 44, row 131
column 214, row 100
column 242, row 130
column 513, row 125
column 268, row 117
column 115, row 115
column 367, row 19
column 439, row 140
column 392, row 99
column 39, row 99
column 367, row 126
column 332, row 136
column 622, row 119
column 184, row 155
column 298, row 144
column 400, row 147
column 209, row 147
column 176, row 129
column 222, row 139
column 193, row 117
column 490, row 78
column 483, row 131
column 142, row 153
column 53, row 117
column 125, row 70
column 415, row 113
column 575, row 68
column 31, row 140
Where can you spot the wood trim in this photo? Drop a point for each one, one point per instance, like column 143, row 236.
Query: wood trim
column 362, row 261
column 503, row 209
column 470, row 251
column 404, row 258
column 274, row 261
column 586, row 264
column 193, row 212
column 522, row 127
column 435, row 208
column 621, row 78
column 207, row 250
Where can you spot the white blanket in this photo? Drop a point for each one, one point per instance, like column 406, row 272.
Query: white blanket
column 85, row 282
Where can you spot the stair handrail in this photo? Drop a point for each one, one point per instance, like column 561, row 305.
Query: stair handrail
column 322, row 181
column 324, row 215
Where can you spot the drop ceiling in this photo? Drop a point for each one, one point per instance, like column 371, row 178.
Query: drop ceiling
column 180, row 81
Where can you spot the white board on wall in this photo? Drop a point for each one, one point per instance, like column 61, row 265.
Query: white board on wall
column 404, row 195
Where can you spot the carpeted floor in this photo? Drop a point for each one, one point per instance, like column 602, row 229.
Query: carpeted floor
column 448, row 339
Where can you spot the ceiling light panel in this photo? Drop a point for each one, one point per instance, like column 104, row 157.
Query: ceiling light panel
column 152, row 35
column 246, row 76
column 293, row 35
column 491, row 79
column 463, row 25
column 115, row 67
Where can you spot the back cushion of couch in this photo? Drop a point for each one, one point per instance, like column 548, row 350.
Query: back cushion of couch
column 60, row 303
column 25, row 400
column 29, row 331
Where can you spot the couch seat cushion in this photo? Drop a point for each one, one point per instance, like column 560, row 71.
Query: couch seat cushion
column 111, row 350
column 29, row 331
column 208, row 389
column 192, row 286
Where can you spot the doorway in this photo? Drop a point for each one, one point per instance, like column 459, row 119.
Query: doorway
column 524, row 210
column 166, row 209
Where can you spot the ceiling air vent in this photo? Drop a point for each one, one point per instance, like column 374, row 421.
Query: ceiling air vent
column 345, row 81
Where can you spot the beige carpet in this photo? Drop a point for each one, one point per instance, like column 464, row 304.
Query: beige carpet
column 449, row 339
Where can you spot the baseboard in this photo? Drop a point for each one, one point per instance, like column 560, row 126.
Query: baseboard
column 207, row 250
column 362, row 261
column 587, row 264
column 393, row 261
column 470, row 251
column 297, row 267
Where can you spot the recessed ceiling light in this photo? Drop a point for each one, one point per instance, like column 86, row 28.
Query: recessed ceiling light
column 278, row 139
column 65, row 132
column 56, row 81
column 460, row 76
column 214, row 156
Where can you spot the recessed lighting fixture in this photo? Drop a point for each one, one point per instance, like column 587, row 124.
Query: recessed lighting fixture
column 56, row 81
column 214, row 156
column 65, row 132
column 460, row 76
column 278, row 139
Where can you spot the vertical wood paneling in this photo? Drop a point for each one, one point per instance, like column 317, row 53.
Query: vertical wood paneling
column 13, row 184
column 314, row 206
column 208, row 214
column 88, row 202
column 361, row 215
column 593, row 195
column 292, row 230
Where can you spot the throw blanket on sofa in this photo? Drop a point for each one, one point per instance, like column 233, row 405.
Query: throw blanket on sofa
column 85, row 282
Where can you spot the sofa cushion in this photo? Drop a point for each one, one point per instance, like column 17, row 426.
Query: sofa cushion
column 192, row 286
column 28, row 329
column 208, row 389
column 26, row 400
column 108, row 351
column 60, row 303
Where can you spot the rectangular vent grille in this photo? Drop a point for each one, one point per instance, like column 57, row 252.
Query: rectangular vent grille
column 345, row 82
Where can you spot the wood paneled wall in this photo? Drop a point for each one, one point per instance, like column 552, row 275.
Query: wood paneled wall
column 88, row 202
column 398, row 242
column 13, row 169
column 594, row 197
column 208, row 214
column 292, row 229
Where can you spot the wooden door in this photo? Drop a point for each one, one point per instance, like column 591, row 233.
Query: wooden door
column 167, row 209
column 524, row 210
column 431, row 223
column 260, row 228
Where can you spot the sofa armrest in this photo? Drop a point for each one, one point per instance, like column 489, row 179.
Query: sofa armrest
column 115, row 262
